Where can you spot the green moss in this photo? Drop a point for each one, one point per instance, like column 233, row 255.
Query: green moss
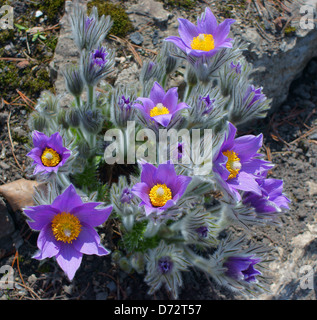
column 188, row 4
column 52, row 9
column 289, row 31
column 31, row 81
column 121, row 22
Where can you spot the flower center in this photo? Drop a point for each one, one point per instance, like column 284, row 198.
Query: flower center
column 50, row 158
column 160, row 194
column 66, row 227
column 204, row 42
column 158, row 110
column 165, row 265
column 233, row 164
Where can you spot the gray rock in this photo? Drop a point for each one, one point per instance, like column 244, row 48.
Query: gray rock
column 6, row 222
column 278, row 63
column 136, row 38
column 147, row 10
column 312, row 188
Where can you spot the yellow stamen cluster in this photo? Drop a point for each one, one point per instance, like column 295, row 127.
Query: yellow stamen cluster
column 160, row 194
column 204, row 42
column 233, row 164
column 66, row 227
column 158, row 110
column 50, row 158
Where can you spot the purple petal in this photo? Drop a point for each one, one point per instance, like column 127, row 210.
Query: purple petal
column 255, row 166
column 142, row 191
column 165, row 174
column 180, row 186
column 247, row 146
column 180, row 106
column 163, row 119
column 88, row 242
column 46, row 242
column 245, row 182
column 68, row 200
column 222, row 31
column 148, row 172
column 41, row 216
column 146, row 106
column 177, row 41
column 208, row 24
column 39, row 139
column 170, row 99
column 157, row 94
column 69, row 259
column 187, row 31
column 87, row 213
column 35, row 154
column 55, row 142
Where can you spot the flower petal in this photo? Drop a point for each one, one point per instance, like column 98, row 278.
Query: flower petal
column 187, row 31
column 47, row 244
column 69, row 259
column 163, row 119
column 39, row 139
column 247, row 146
column 88, row 242
column 157, row 93
column 142, row 191
column 245, row 182
column 148, row 172
column 177, row 41
column 68, row 200
column 208, row 23
column 222, row 31
column 87, row 213
column 40, row 215
column 170, row 99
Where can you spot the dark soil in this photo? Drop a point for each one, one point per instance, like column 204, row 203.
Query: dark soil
column 290, row 143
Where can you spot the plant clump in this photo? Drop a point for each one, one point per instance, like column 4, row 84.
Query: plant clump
column 170, row 171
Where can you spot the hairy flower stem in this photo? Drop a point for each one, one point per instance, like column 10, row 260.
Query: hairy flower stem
column 199, row 262
column 63, row 180
column 91, row 97
column 78, row 102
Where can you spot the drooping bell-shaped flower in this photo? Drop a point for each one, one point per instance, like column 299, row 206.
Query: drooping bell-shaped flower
column 242, row 268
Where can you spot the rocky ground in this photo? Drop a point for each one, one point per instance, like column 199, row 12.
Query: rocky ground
column 290, row 142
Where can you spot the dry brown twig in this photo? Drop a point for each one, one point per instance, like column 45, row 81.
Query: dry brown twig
column 12, row 146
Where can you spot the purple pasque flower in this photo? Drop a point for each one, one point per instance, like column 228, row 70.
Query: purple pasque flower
column 165, row 265
column 160, row 187
column 271, row 200
column 98, row 57
column 205, row 39
column 258, row 97
column 48, row 153
column 126, row 195
column 88, row 22
column 242, row 268
column 236, row 67
column 209, row 104
column 67, row 229
column 202, row 231
column 160, row 107
column 236, row 164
